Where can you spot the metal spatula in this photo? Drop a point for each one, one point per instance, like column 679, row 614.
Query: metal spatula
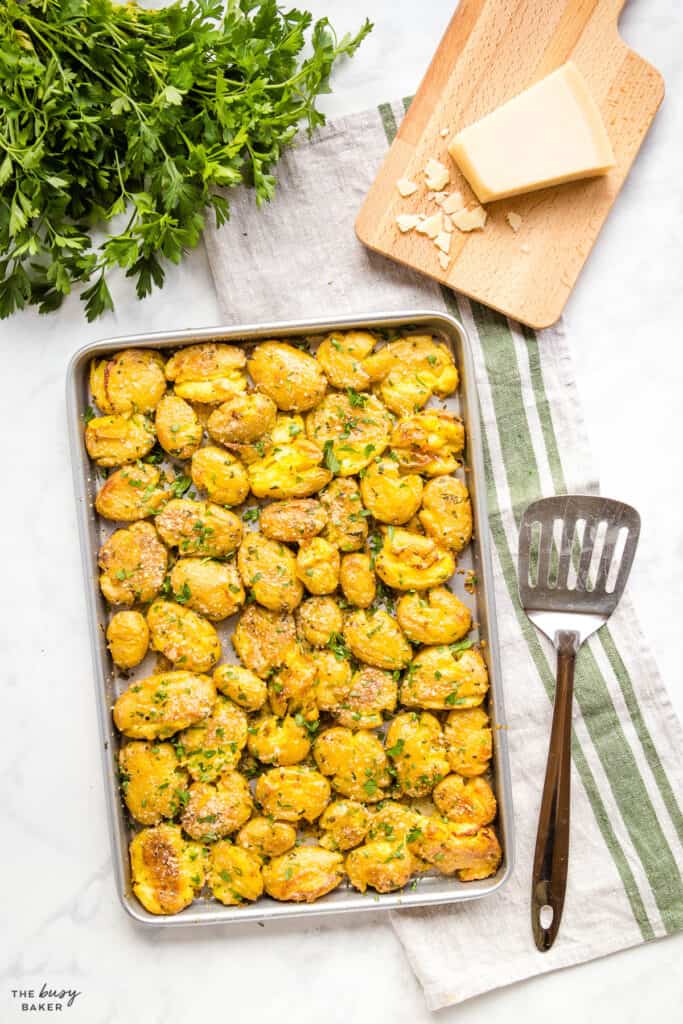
column 575, row 555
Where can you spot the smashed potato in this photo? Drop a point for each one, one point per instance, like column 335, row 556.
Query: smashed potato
column 350, row 436
column 114, row 440
column 241, row 686
column 357, row 762
column 391, row 496
column 199, row 528
column 269, row 569
column 178, row 427
column 374, row 637
column 266, row 838
column 127, row 639
column 292, row 378
column 346, row 526
column 292, row 793
column 281, row 741
column 234, row 874
column 446, row 512
column 263, row 639
column 212, row 588
column 445, row 677
column 290, row 470
column 318, row 619
column 409, row 561
column 220, row 474
column 317, row 565
column 341, row 356
column 469, row 743
column 380, row 864
column 357, row 580
column 332, row 680
column 429, row 442
column 416, row 745
column 131, row 381
column 131, row 493
column 242, row 419
column 214, row 810
column 292, row 687
column 345, row 824
column 467, row 802
column 303, row 875
column 162, row 704
column 434, row 617
column 209, row 372
column 167, row 872
column 152, row 781
column 133, row 563
column 182, row 636
column 296, row 520
column 449, row 849
column 409, row 371
column 214, row 745
column 370, row 692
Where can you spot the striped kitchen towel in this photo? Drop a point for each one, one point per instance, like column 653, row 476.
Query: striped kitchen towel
column 299, row 258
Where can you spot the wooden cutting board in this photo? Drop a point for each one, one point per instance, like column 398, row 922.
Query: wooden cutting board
column 492, row 50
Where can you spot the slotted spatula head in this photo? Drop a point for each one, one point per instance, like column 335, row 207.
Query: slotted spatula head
column 575, row 556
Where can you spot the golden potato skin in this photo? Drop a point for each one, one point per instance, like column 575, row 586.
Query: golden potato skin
column 371, row 692
column 469, row 741
column 209, row 372
column 443, row 677
column 266, row 838
column 410, row 371
column 434, row 617
column 467, row 802
column 353, row 436
column 317, row 565
column 167, row 872
column 216, row 809
column 357, row 579
column 242, row 419
column 380, row 864
column 130, row 381
column 162, row 704
column 345, row 824
column 416, row 746
column 347, row 527
column 220, row 474
column 127, row 639
column 280, row 741
column 341, row 355
column 211, row 588
column 269, row 569
column 115, row 440
column 242, row 686
column 291, row 468
column 130, row 493
column 394, row 821
column 332, row 680
column 408, row 561
column 357, row 762
column 234, row 874
column 318, row 620
column 472, row 854
column 303, row 875
column 446, row 513
column 374, row 637
column 263, row 639
column 292, row 378
column 429, row 442
column 298, row 519
column 391, row 496
column 178, row 427
column 182, row 636
column 291, row 689
column 293, row 792
column 133, row 563
column 153, row 782
column 199, row 528
column 214, row 745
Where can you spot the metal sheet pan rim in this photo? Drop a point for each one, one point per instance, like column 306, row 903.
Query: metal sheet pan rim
column 447, row 890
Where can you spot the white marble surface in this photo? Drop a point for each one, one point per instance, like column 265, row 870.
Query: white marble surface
column 64, row 926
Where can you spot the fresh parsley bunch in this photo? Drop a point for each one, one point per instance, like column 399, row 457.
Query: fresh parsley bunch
column 111, row 111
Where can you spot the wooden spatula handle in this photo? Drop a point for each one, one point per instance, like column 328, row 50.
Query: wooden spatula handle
column 551, row 858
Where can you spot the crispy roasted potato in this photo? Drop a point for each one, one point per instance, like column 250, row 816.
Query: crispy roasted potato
column 208, row 372
column 266, row 838
column 291, row 689
column 114, row 440
column 242, row 419
column 292, row 378
column 295, row 520
column 447, row 848
column 152, row 781
column 216, row 809
column 212, row 588
column 241, row 685
column 303, row 875
column 291, row 466
column 351, row 436
column 317, row 565
column 445, row 677
column 434, row 617
column 220, row 474
column 467, row 802
column 345, row 824
column 357, row 762
column 341, row 354
column 429, row 442
column 318, row 619
column 416, row 745
column 409, row 561
column 177, row 426
column 162, row 704
column 409, row 371
column 469, row 743
column 264, row 638
column 391, row 496
column 131, row 493
column 214, row 745
column 199, row 528
column 127, row 639
column 446, row 512
column 133, row 563
column 371, row 692
column 279, row 741
column 395, row 822
column 357, row 579
column 383, row 865
column 376, row 639
column 332, row 679
column 292, row 793
column 182, row 636
column 234, row 874
column 269, row 569
column 346, row 526
column 167, row 872
column 130, row 381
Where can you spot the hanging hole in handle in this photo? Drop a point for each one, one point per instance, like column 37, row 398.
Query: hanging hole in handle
column 545, row 916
